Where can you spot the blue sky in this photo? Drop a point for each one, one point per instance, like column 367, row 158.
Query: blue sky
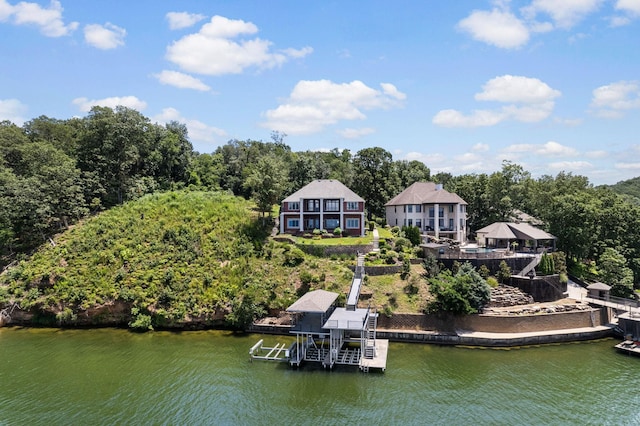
column 460, row 85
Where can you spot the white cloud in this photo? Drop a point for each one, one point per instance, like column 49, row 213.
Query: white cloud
column 498, row 27
column 181, row 80
column 198, row 131
column 49, row 20
column 350, row 133
column 571, row 166
column 427, row 159
column 549, row 149
column 12, row 110
column 313, row 105
column 105, row 37
column 630, row 6
column 565, row 13
column 479, row 118
column 611, row 100
column 627, row 166
column 596, row 154
column 480, row 147
column 516, row 89
column 530, row 100
column 132, row 102
column 213, row 50
column 179, row 20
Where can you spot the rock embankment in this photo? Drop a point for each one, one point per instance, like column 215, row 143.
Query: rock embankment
column 505, row 296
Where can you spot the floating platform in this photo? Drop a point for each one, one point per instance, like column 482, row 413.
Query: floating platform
column 629, row 346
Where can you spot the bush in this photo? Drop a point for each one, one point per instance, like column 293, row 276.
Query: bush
column 337, row 232
column 492, row 281
column 142, row 322
column 293, row 256
column 401, row 243
column 412, row 233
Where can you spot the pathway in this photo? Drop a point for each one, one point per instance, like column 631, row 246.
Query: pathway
column 376, row 240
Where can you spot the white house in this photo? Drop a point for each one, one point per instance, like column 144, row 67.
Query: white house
column 431, row 208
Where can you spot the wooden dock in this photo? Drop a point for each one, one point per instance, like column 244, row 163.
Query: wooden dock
column 379, row 360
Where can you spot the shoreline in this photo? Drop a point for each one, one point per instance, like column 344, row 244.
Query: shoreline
column 473, row 338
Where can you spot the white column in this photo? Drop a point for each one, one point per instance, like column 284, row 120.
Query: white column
column 343, row 225
column 456, row 222
column 436, row 224
column 301, row 215
column 321, row 214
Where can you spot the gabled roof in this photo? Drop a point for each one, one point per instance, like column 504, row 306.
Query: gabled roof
column 598, row 286
column 512, row 231
column 317, row 301
column 324, row 188
column 425, row 193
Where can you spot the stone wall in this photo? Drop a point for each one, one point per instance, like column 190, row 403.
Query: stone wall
column 325, row 251
column 547, row 288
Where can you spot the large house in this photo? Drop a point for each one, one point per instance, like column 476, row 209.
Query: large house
column 431, row 208
column 324, row 204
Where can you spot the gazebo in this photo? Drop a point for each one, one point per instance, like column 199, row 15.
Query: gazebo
column 599, row 290
column 504, row 234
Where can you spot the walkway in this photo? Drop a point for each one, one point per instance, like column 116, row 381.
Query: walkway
column 577, row 292
column 376, row 240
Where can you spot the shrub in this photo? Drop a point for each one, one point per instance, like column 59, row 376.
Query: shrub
column 412, row 233
column 337, row 232
column 401, row 243
column 142, row 322
column 317, row 232
column 293, row 256
column 492, row 281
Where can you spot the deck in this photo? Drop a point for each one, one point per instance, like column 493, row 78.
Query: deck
column 379, row 361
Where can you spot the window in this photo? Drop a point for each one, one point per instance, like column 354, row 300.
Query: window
column 293, row 223
column 352, row 205
column 312, row 205
column 451, row 224
column 410, row 208
column 431, row 212
column 451, row 208
column 353, row 223
column 419, row 223
column 410, row 222
column 293, row 205
column 418, row 208
column 331, row 205
column 331, row 223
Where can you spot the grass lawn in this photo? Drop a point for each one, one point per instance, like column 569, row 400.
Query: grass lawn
column 335, row 241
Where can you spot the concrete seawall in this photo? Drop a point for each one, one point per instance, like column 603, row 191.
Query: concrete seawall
column 485, row 331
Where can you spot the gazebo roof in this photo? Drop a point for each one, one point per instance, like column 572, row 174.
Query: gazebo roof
column 598, row 286
column 513, row 231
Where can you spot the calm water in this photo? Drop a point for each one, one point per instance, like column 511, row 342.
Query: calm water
column 116, row 377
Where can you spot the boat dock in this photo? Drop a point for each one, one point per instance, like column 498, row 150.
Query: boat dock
column 331, row 335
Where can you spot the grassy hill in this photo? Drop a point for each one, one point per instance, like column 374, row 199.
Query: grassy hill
column 630, row 187
column 179, row 259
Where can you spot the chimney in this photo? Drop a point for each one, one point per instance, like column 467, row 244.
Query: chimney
column 438, row 186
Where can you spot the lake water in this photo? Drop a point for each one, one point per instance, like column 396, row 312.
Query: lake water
column 109, row 376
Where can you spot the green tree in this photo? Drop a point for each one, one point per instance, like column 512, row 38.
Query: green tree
column 612, row 270
column 267, row 182
column 376, row 179
column 504, row 272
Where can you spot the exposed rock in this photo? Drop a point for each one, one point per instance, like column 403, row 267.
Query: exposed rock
column 504, row 296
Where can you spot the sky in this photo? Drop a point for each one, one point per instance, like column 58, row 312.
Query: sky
column 462, row 86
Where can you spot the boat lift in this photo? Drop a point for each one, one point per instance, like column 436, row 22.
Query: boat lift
column 269, row 353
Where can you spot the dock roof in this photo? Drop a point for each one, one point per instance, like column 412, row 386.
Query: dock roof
column 317, row 301
column 343, row 319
